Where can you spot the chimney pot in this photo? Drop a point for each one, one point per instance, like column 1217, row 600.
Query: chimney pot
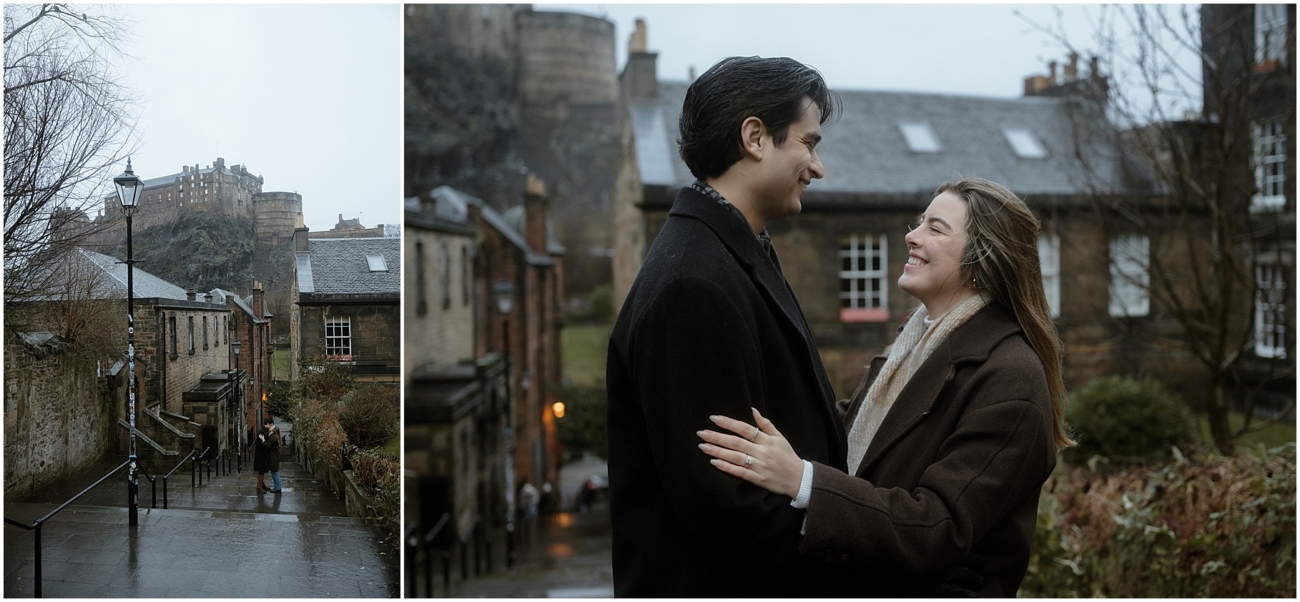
column 637, row 43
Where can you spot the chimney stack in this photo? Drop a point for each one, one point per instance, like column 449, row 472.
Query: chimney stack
column 190, row 294
column 259, row 299
column 638, row 41
column 535, row 214
column 639, row 78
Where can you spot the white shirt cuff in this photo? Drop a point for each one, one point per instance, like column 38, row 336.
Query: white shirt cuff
column 805, row 487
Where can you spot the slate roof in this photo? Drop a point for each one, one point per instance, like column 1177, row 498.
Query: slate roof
column 245, row 305
column 113, row 285
column 864, row 151
column 338, row 266
column 451, row 204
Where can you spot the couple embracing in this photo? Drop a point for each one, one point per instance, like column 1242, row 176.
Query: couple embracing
column 733, row 470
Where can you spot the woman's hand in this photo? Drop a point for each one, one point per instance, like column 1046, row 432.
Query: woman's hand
column 762, row 457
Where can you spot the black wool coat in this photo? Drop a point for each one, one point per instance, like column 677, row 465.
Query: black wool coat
column 946, row 498
column 710, row 327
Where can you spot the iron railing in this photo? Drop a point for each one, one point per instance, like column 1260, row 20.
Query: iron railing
column 36, row 526
column 416, row 543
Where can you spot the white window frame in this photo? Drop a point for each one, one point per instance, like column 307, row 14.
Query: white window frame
column 1130, row 278
column 1270, row 33
column 1049, row 258
column 1270, row 310
column 1270, row 166
column 864, row 290
column 338, row 337
column 376, row 263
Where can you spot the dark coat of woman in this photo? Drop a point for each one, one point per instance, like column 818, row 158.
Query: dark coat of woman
column 259, row 451
column 273, row 451
column 709, row 327
column 946, row 498
column 267, row 456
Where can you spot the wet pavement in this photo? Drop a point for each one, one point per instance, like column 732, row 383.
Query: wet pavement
column 567, row 556
column 222, row 539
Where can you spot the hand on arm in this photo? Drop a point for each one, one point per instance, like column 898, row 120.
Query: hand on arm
column 762, row 457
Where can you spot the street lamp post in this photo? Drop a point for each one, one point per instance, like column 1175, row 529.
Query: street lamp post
column 239, row 403
column 129, row 188
column 504, row 294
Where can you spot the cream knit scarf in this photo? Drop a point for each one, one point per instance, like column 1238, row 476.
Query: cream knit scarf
column 912, row 347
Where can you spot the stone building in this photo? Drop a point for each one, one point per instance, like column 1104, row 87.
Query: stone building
column 348, row 293
column 483, row 323
column 1251, row 49
column 457, row 402
column 186, row 380
column 499, row 90
column 349, row 228
column 231, row 191
column 884, row 157
column 250, row 324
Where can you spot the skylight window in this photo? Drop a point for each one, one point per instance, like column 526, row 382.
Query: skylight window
column 920, row 136
column 1025, row 143
column 377, row 263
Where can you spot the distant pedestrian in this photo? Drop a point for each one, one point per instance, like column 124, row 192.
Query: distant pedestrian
column 547, row 504
column 272, row 443
column 259, row 459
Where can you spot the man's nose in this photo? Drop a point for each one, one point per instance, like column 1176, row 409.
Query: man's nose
column 818, row 171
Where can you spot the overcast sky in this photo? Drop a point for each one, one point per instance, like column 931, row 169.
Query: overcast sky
column 307, row 96
column 964, row 49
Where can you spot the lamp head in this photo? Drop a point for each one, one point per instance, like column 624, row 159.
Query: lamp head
column 129, row 189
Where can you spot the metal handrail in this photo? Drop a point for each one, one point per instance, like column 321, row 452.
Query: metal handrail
column 173, row 471
column 418, row 542
column 36, row 526
column 153, row 481
column 201, row 462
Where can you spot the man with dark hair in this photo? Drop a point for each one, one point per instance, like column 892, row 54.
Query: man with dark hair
column 710, row 327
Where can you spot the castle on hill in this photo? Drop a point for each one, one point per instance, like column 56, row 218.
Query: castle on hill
column 232, row 191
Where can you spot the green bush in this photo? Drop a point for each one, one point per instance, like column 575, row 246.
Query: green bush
column 1216, row 527
column 369, row 415
column 583, row 427
column 279, row 400
column 1126, row 421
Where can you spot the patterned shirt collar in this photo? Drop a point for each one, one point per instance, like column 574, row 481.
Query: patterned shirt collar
column 764, row 239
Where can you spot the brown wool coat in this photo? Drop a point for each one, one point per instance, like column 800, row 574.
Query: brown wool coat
column 948, row 489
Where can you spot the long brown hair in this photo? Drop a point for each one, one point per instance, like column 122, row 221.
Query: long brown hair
column 1001, row 256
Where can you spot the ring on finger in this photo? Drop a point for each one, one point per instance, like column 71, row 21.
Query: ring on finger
column 749, row 460
column 754, row 436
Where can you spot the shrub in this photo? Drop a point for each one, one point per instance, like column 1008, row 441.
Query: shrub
column 1218, row 527
column 319, row 378
column 583, row 427
column 369, row 415
column 279, row 400
column 319, row 431
column 379, row 476
column 1127, row 421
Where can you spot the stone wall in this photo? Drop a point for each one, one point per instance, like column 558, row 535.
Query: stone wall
column 376, row 332
column 166, row 376
column 58, row 420
column 439, row 309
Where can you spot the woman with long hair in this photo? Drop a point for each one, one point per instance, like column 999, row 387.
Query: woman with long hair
column 952, row 431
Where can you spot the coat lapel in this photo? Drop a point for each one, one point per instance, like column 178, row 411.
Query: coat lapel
column 744, row 246
column 972, row 342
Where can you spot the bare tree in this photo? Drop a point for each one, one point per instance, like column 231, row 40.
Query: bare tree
column 1188, row 100
column 67, row 128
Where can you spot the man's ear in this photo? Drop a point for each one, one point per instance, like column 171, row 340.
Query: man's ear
column 752, row 131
